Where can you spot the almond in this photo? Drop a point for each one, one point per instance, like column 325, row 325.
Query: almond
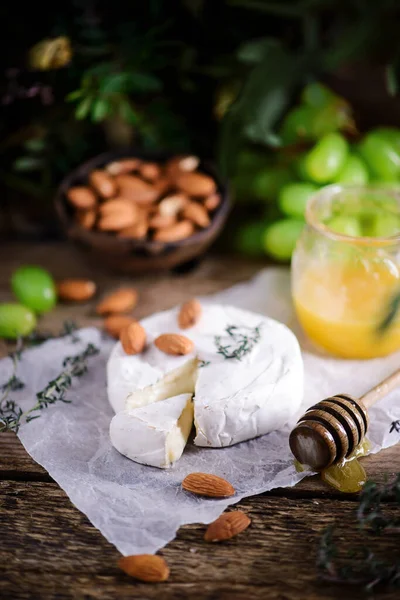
column 76, row 290
column 103, row 183
column 197, row 213
column 115, row 222
column 82, row 197
column 161, row 221
column 227, row 526
column 134, row 188
column 196, row 184
column 212, row 202
column 133, row 338
column 172, row 205
column 181, row 164
column 119, row 204
column 162, row 185
column 145, row 567
column 86, row 218
column 122, row 300
column 138, row 231
column 114, row 324
column 117, row 214
column 126, row 165
column 205, row 484
column 175, row 233
column 174, row 343
column 150, row 171
column 189, row 314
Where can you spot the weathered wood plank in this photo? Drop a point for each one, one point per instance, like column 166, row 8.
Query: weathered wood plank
column 50, row 550
column 16, row 464
column 155, row 292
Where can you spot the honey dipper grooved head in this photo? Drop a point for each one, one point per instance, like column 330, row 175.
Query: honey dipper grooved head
column 329, row 431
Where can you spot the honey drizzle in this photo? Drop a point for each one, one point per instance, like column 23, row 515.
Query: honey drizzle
column 349, row 476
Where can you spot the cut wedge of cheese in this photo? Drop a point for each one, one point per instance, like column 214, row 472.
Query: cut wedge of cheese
column 246, row 374
column 179, row 381
column 155, row 434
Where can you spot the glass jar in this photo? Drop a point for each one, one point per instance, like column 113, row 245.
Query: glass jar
column 343, row 284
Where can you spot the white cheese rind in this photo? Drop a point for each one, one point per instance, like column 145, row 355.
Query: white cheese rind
column 236, row 399
column 154, row 435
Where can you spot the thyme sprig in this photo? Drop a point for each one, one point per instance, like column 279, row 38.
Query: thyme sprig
column 10, row 412
column 242, row 341
column 11, row 415
column 203, row 363
column 364, row 568
column 12, row 385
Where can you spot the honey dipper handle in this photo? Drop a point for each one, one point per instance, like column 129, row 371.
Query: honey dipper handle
column 382, row 389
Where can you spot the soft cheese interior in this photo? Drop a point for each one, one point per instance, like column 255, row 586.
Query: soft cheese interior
column 154, row 435
column 246, row 375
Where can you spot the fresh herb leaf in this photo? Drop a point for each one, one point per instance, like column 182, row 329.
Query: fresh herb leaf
column 241, row 341
column 13, row 384
column 11, row 415
column 203, row 363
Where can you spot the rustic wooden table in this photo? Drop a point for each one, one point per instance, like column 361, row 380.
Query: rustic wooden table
column 48, row 549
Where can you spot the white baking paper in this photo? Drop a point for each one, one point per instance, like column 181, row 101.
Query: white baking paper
column 139, row 508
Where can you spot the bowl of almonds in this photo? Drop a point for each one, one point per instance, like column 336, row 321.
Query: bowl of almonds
column 136, row 212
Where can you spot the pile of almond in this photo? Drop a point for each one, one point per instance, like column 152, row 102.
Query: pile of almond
column 136, row 199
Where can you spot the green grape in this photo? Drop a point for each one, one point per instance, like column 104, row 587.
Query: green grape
column 381, row 157
column 297, row 125
column 334, row 117
column 391, row 134
column 354, row 171
column 345, row 225
column 34, row 287
column 383, row 225
column 317, row 95
column 249, row 240
column 293, row 198
column 266, row 184
column 16, row 320
column 326, row 158
column 280, row 238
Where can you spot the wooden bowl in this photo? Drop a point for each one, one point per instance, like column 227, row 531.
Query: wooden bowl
column 135, row 256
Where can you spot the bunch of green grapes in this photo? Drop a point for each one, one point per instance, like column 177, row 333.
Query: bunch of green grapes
column 315, row 152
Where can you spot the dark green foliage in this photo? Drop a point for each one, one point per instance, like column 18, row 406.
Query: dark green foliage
column 177, row 75
column 364, row 568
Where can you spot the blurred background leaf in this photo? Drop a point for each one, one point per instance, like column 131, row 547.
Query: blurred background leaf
column 213, row 78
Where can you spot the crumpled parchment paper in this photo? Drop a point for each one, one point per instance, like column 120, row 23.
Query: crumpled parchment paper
column 139, row 508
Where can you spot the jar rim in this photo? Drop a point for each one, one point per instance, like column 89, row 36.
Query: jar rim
column 327, row 192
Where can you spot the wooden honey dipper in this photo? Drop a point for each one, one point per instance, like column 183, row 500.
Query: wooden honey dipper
column 331, row 430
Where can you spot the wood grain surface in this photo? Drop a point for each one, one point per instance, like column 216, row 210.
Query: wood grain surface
column 49, row 550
